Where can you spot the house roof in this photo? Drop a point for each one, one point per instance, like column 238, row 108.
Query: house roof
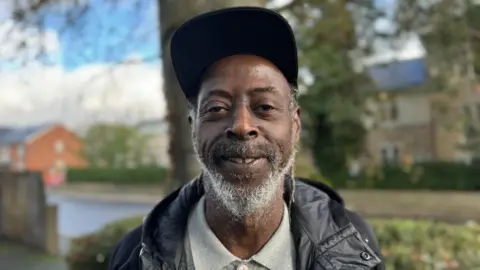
column 4, row 130
column 19, row 135
column 399, row 74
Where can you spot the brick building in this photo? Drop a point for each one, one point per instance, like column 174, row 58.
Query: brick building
column 49, row 148
column 412, row 119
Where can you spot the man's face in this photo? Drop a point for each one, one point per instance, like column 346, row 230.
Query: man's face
column 244, row 131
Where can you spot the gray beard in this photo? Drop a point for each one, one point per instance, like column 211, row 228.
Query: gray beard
column 240, row 201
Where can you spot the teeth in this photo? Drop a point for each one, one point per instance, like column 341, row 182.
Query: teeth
column 236, row 160
column 241, row 160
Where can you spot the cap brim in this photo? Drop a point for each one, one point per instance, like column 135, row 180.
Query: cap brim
column 205, row 39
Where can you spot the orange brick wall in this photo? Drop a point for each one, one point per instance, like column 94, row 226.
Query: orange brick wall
column 41, row 154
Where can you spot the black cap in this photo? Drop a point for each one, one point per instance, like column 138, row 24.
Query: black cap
column 209, row 37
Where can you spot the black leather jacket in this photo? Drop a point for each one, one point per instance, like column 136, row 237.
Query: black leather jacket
column 326, row 235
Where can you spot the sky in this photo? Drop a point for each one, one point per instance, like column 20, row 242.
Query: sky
column 77, row 80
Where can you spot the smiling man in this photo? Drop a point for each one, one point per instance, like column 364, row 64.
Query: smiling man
column 238, row 69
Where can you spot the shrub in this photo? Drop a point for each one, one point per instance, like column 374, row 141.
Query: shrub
column 428, row 245
column 93, row 251
column 129, row 176
column 428, row 176
column 304, row 168
column 406, row 245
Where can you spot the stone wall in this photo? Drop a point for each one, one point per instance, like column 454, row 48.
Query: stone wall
column 25, row 216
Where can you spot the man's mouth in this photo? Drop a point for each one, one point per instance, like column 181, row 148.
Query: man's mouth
column 241, row 160
column 243, row 163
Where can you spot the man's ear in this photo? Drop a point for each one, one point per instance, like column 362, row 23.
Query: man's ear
column 191, row 111
column 297, row 123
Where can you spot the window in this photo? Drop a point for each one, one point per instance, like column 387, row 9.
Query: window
column 388, row 111
column 59, row 164
column 4, row 154
column 20, row 166
column 59, row 146
column 384, row 153
column 393, row 111
column 390, row 154
column 396, row 154
column 21, row 151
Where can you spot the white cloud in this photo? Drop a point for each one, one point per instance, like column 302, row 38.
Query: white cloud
column 20, row 42
column 410, row 48
column 37, row 93
column 90, row 93
column 278, row 3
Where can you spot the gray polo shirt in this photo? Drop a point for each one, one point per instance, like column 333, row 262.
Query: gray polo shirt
column 206, row 252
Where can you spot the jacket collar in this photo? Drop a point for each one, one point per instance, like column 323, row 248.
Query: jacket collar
column 319, row 224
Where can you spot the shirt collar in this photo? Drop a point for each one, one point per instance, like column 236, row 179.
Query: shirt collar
column 208, row 252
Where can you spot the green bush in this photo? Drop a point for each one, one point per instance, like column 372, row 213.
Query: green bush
column 93, row 251
column 133, row 176
column 425, row 245
column 305, row 169
column 406, row 245
column 428, row 176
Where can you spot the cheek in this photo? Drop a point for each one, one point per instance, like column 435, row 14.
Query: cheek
column 285, row 137
column 200, row 137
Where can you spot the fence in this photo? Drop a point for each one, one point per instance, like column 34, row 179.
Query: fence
column 25, row 217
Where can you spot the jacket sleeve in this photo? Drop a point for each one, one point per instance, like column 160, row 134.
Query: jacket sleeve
column 363, row 227
column 125, row 254
column 113, row 259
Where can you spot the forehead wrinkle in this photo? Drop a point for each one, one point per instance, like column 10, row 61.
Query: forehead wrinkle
column 243, row 72
column 236, row 62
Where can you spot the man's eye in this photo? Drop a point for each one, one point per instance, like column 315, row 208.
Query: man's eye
column 265, row 108
column 216, row 109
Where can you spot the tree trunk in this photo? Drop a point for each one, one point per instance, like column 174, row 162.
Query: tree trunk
column 173, row 13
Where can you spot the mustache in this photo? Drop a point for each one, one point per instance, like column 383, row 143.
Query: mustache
column 236, row 149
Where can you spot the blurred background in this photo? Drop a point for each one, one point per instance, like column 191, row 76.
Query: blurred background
column 94, row 131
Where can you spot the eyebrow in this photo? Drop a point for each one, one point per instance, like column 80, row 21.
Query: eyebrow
column 216, row 92
column 270, row 89
column 227, row 95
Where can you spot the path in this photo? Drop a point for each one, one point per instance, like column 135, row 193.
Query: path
column 451, row 206
column 16, row 258
column 77, row 215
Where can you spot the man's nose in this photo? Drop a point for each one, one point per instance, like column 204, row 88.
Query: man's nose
column 242, row 127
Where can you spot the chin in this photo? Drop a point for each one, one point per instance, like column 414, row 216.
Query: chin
column 241, row 199
column 245, row 180
column 244, row 175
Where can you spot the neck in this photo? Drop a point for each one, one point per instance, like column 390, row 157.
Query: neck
column 244, row 237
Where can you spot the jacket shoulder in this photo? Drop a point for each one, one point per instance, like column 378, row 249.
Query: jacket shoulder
column 366, row 232
column 125, row 255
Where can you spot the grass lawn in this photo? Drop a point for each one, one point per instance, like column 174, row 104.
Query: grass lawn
column 444, row 206
column 15, row 257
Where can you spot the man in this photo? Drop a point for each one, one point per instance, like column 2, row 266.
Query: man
column 238, row 69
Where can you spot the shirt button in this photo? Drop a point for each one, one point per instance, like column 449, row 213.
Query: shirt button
column 242, row 267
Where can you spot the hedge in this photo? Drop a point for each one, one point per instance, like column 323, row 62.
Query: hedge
column 428, row 176
column 129, row 176
column 406, row 245
column 93, row 251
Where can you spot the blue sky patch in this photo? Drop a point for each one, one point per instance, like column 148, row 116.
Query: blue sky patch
column 106, row 31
